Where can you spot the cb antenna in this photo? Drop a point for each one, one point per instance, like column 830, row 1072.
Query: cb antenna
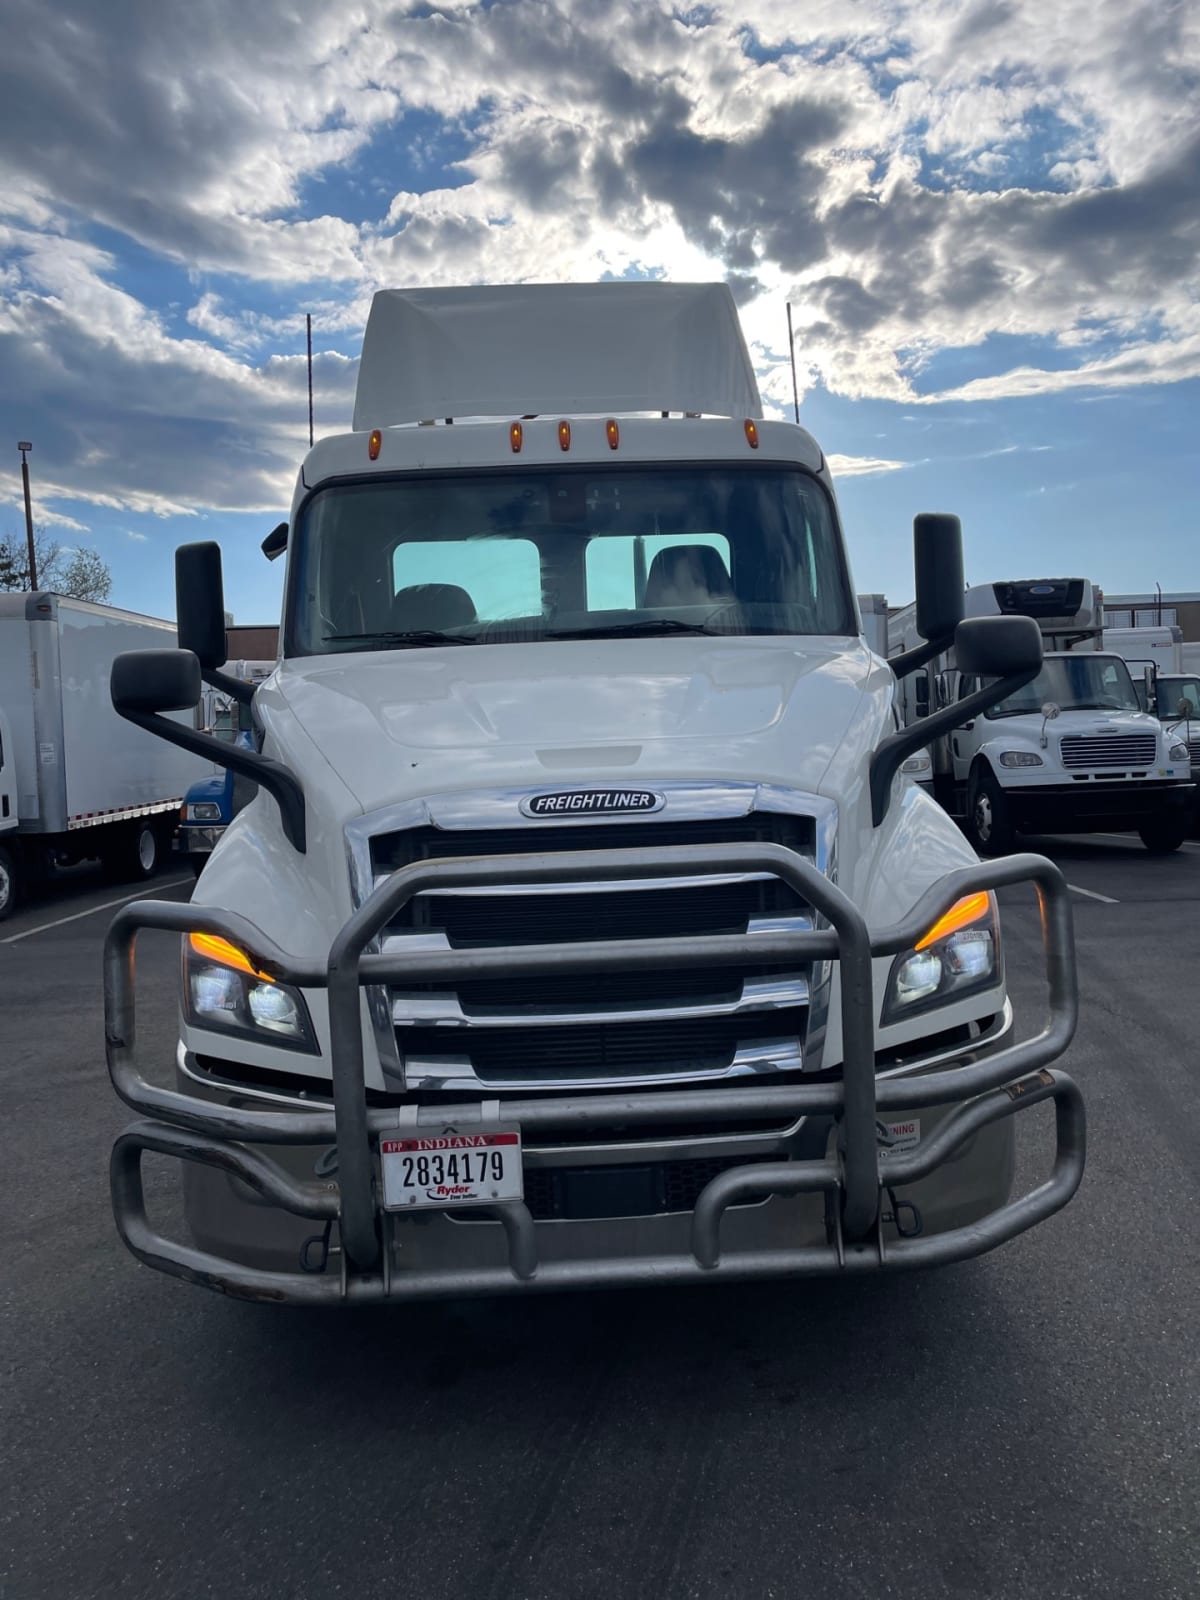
column 792, row 358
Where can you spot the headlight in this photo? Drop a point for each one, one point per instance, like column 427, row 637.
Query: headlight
column 1177, row 752
column 224, row 990
column 1020, row 758
column 203, row 811
column 917, row 766
column 958, row 956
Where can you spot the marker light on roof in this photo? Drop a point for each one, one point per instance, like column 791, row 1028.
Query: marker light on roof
column 516, row 436
column 564, row 436
column 373, row 444
column 752, row 433
column 612, row 433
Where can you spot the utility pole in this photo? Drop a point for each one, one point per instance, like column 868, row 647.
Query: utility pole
column 25, row 446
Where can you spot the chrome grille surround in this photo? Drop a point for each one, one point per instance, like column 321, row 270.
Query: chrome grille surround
column 1127, row 750
column 782, row 1014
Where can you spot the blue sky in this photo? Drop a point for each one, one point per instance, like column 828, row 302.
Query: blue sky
column 982, row 214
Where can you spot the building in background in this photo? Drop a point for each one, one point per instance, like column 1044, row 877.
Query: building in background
column 251, row 641
column 1154, row 611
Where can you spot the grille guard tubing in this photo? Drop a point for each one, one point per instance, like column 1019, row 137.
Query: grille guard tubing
column 192, row 1129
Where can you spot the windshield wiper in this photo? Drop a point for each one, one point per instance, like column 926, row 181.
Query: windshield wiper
column 403, row 640
column 646, row 627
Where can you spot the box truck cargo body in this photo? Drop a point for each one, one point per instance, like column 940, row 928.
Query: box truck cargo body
column 76, row 780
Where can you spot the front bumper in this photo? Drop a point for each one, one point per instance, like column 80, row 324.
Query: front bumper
column 846, row 1181
column 1096, row 804
column 199, row 839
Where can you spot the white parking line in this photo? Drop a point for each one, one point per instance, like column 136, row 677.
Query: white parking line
column 15, row 938
column 1092, row 895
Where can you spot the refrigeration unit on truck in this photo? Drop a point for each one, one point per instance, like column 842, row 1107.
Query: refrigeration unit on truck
column 76, row 780
column 584, row 930
column 1072, row 751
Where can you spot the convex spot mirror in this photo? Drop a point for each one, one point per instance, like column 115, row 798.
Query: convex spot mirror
column 1050, row 711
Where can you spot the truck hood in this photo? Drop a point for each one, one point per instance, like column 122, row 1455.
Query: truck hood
column 400, row 724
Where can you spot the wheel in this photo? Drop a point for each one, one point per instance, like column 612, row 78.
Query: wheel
column 140, row 854
column 198, row 862
column 1163, row 834
column 989, row 819
column 8, row 884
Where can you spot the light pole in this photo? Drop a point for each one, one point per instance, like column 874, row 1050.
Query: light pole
column 25, row 446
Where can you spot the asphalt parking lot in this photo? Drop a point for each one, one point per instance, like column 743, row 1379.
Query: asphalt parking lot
column 1024, row 1425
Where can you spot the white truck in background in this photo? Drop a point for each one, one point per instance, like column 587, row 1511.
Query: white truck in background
column 1072, row 752
column 77, row 782
column 583, row 931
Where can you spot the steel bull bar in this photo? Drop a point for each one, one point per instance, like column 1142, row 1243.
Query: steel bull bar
column 997, row 1085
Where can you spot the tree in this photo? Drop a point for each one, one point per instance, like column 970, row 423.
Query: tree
column 81, row 573
column 86, row 577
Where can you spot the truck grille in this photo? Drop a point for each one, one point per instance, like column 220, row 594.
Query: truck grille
column 1194, row 753
column 636, row 1026
column 1127, row 750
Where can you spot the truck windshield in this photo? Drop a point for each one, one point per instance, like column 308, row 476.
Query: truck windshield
column 504, row 556
column 1178, row 698
column 1074, row 683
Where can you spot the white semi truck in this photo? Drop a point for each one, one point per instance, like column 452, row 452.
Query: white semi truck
column 77, row 782
column 584, row 930
column 1073, row 751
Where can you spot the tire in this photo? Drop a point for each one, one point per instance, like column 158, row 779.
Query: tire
column 989, row 816
column 140, row 853
column 9, row 884
column 198, row 863
column 1163, row 834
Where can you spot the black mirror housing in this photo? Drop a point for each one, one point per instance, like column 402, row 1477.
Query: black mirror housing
column 1006, row 650
column 938, row 565
column 149, row 681
column 998, row 647
column 200, row 602
column 145, row 683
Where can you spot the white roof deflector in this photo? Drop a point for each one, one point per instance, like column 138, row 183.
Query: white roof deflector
column 553, row 348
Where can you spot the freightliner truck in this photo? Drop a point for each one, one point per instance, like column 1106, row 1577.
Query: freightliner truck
column 1073, row 751
column 584, row 929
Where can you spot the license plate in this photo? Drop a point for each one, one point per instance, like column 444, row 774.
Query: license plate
column 452, row 1169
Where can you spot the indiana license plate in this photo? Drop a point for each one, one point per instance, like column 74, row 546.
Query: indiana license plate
column 452, row 1169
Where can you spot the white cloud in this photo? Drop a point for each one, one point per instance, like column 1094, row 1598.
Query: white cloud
column 858, row 174
column 860, row 466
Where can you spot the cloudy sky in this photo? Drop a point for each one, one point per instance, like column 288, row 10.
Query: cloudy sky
column 984, row 213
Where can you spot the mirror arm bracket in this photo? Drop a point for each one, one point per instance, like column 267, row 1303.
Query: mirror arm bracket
column 239, row 689
column 920, row 655
column 897, row 747
column 278, row 780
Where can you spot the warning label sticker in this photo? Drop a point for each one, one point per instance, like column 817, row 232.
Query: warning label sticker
column 895, row 1138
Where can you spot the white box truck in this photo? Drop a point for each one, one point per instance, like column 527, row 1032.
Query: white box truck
column 1073, row 751
column 76, row 780
column 584, row 930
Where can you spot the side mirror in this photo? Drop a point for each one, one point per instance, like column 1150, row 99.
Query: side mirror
column 1050, row 711
column 145, row 683
column 1007, row 650
column 155, row 680
column 275, row 543
column 938, row 563
column 998, row 647
column 200, row 603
